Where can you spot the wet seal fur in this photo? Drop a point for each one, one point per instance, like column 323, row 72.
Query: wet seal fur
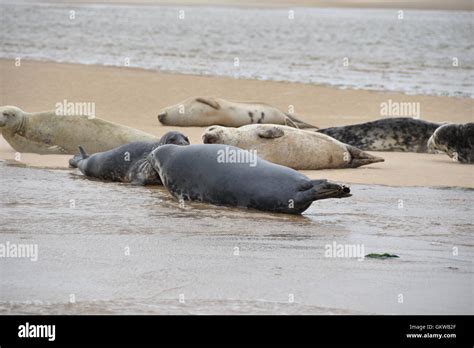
column 208, row 111
column 48, row 133
column 291, row 147
column 456, row 140
column 402, row 134
column 127, row 163
column 195, row 173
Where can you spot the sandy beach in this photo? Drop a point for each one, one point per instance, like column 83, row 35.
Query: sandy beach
column 134, row 97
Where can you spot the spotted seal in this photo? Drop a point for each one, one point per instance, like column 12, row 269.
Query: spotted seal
column 208, row 111
column 402, row 134
column 291, row 147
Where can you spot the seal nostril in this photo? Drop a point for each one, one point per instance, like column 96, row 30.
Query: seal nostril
column 209, row 139
column 161, row 116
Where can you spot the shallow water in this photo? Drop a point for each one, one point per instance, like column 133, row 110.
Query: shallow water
column 415, row 54
column 279, row 267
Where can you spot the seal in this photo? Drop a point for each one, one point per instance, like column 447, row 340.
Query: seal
column 208, row 111
column 456, row 140
column 291, row 147
column 226, row 175
column 401, row 134
column 127, row 163
column 48, row 133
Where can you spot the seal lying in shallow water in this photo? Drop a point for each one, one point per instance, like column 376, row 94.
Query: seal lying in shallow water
column 456, row 140
column 126, row 163
column 291, row 147
column 48, row 133
column 207, row 173
column 208, row 111
column 388, row 134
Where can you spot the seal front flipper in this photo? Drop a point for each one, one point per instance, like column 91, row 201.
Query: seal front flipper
column 270, row 132
column 209, row 101
column 290, row 123
column 361, row 158
column 56, row 148
column 74, row 162
column 297, row 123
column 22, row 144
column 324, row 189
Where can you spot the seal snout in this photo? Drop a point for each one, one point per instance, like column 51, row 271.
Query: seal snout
column 161, row 117
column 209, row 139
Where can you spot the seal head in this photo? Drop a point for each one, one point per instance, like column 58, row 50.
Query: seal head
column 11, row 118
column 456, row 140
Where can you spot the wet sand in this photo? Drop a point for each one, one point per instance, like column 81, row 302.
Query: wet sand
column 191, row 251
column 134, row 97
column 457, row 5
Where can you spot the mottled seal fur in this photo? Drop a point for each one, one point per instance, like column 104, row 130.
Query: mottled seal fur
column 198, row 173
column 388, row 134
column 291, row 147
column 456, row 140
column 48, row 133
column 208, row 111
column 127, row 163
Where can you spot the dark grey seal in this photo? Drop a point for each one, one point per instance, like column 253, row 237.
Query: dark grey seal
column 402, row 134
column 127, row 163
column 456, row 140
column 205, row 173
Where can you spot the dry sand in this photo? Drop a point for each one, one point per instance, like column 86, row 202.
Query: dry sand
column 133, row 97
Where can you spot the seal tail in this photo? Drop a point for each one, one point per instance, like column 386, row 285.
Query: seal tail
column 326, row 189
column 292, row 121
column 74, row 162
column 361, row 158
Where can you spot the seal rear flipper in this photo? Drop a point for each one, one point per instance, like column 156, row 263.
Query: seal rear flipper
column 361, row 158
column 324, row 189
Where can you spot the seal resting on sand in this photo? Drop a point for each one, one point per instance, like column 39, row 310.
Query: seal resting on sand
column 401, row 134
column 208, row 111
column 291, row 147
column 227, row 175
column 456, row 140
column 49, row 133
column 127, row 163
